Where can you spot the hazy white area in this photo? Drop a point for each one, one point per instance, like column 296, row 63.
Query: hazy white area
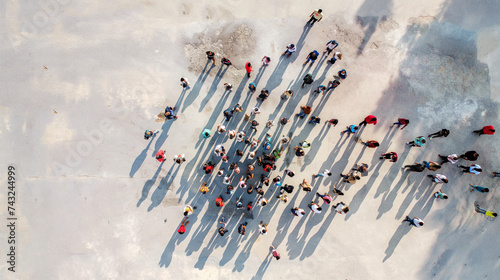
column 82, row 80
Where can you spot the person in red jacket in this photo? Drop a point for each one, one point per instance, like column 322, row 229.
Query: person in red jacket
column 160, row 156
column 371, row 119
column 219, row 202
column 182, row 228
column 248, row 67
column 489, row 129
column 401, row 121
column 371, row 144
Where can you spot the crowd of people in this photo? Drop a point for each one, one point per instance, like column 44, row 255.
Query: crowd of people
column 253, row 171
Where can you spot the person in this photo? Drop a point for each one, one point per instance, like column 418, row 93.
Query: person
column 219, row 150
column 401, row 121
column 208, row 167
column 264, row 94
column 277, row 181
column 148, row 134
column 416, row 167
column 470, row 156
column 204, row 189
column 228, row 87
column 298, row 212
column 289, row 50
column 284, row 121
column 219, row 202
column 242, row 228
column 343, row 74
column 391, row 155
column 240, row 136
column 439, row 178
column 371, row 144
column 287, row 94
column 325, row 173
column 260, row 190
column 290, row 173
column 248, row 68
column 211, row 56
column 416, row 222
column 226, row 61
column 314, row 120
column 478, row 189
column 255, row 111
column 305, row 144
column 269, row 123
column 326, row 197
column 206, row 133
column 417, row 142
column 351, row 177
column 315, row 207
column 341, row 208
column 312, row 57
column 169, row 113
column 333, row 85
column 226, row 180
column 222, row 229
column 485, row 212
column 350, row 130
column 160, row 156
column 305, row 186
column 184, row 83
column 371, row 119
column 284, row 140
column 237, row 108
column 336, row 56
column 262, row 228
column 283, row 197
column 265, row 61
column 315, row 16
column 320, row 89
column 188, row 210
column 337, row 191
column 287, row 188
column 496, row 174
column 308, row 79
column 228, row 114
column 251, row 155
column 299, row 151
column 332, row 44
column 239, row 203
column 254, row 125
column 488, row 130
column 453, row 158
column 432, row 166
column 255, row 143
column 473, row 169
column 442, row 133
column 440, row 194
column 361, row 168
column 275, row 253
column 249, row 206
column 252, row 87
column 333, row 122
column 182, row 228
column 305, row 110
column 179, row 159
column 242, row 183
column 221, row 129
column 262, row 201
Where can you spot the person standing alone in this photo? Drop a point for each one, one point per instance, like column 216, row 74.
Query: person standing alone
column 316, row 16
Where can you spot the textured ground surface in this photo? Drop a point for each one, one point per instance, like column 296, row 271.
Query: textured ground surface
column 82, row 80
